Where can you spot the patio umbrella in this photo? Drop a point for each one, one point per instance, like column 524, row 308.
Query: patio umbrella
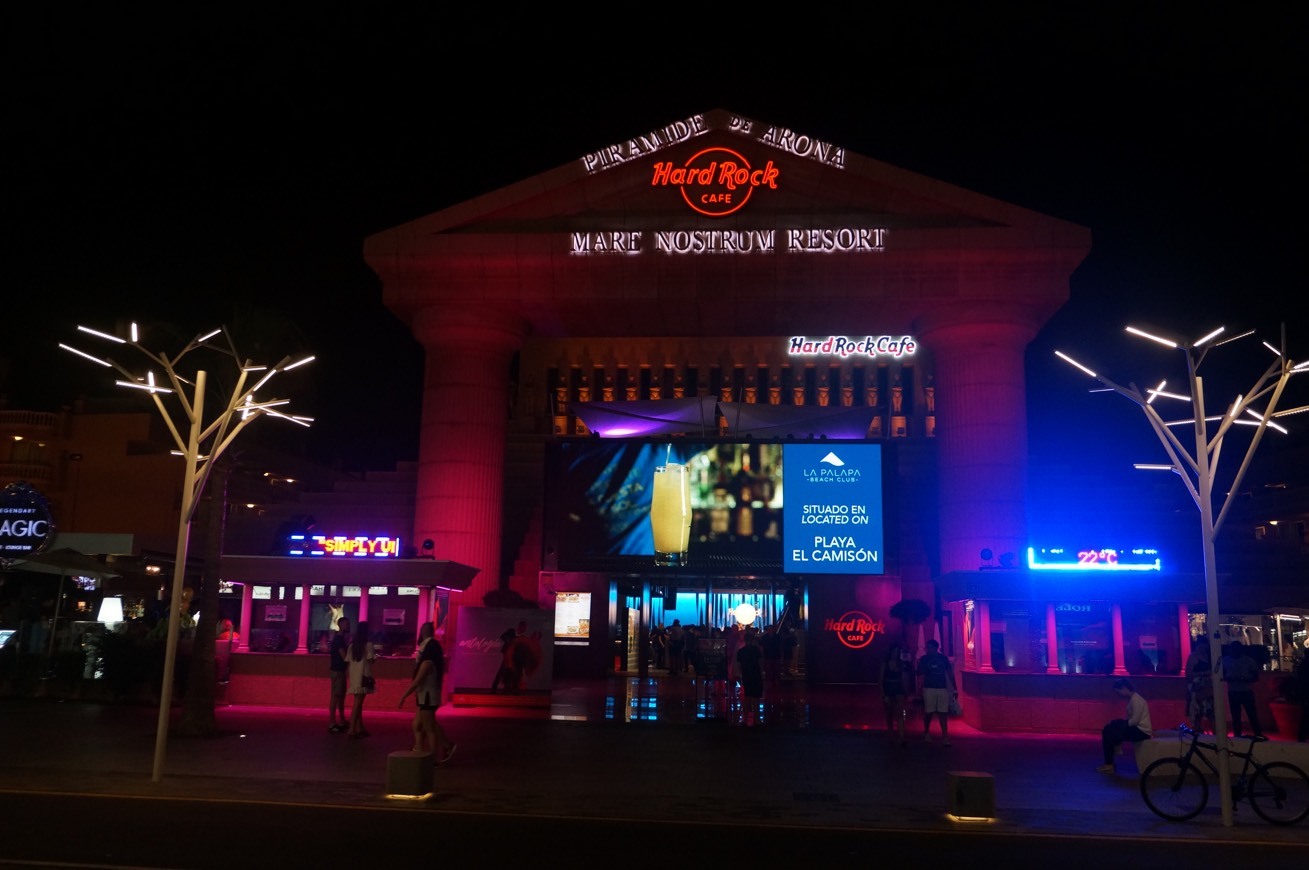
column 65, row 562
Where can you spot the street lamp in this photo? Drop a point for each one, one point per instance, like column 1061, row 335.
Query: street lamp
column 199, row 443
column 1196, row 467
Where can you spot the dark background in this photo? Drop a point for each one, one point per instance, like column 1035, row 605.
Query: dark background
column 225, row 166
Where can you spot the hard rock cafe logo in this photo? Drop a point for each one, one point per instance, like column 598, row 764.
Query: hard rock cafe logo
column 716, row 181
column 855, row 629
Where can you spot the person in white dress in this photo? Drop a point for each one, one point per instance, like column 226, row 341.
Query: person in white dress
column 359, row 657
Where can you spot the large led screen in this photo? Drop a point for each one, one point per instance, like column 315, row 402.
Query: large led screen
column 743, row 517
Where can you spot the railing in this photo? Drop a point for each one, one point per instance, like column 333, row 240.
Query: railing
column 27, row 471
column 30, row 419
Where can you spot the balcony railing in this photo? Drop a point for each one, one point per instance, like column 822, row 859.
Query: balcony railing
column 29, row 471
column 31, row 420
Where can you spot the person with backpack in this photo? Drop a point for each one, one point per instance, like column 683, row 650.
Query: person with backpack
column 937, row 689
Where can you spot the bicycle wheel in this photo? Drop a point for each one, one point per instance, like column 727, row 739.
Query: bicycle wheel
column 1174, row 789
column 1279, row 793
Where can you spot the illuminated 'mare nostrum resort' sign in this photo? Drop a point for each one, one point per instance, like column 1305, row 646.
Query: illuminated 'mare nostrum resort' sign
column 825, row 241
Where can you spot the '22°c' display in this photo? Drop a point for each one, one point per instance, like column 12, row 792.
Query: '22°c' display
column 751, row 507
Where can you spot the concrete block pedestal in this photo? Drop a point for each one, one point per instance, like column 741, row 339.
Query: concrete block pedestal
column 970, row 795
column 409, row 775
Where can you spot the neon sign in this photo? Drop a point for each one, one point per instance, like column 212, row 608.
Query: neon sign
column 26, row 525
column 781, row 138
column 855, row 629
column 716, row 181
column 1103, row 559
column 841, row 240
column 357, row 546
column 641, row 146
column 839, row 345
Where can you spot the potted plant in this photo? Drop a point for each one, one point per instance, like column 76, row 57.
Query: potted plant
column 1287, row 705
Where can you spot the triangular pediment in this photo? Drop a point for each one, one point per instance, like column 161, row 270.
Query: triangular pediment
column 818, row 185
column 717, row 223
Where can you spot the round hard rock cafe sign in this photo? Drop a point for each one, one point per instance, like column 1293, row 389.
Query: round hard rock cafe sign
column 716, row 181
column 855, row 629
column 26, row 525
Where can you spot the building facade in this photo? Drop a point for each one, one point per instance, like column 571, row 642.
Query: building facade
column 739, row 294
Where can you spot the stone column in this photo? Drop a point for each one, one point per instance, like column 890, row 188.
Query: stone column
column 247, row 608
column 1120, row 666
column 1184, row 636
column 462, row 449
column 302, row 646
column 1051, row 640
column 982, row 612
column 981, row 428
column 424, row 609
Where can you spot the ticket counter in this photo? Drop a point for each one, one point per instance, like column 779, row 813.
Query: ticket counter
column 289, row 605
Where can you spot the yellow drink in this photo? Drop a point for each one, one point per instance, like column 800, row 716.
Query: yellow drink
column 670, row 513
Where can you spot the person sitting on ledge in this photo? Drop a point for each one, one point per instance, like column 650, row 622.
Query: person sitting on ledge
column 1135, row 728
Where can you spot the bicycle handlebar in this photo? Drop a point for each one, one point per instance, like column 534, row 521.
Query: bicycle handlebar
column 1184, row 729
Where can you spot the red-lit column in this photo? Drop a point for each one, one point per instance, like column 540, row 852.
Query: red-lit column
column 1184, row 634
column 247, row 607
column 981, row 428
column 983, row 614
column 425, row 595
column 1051, row 641
column 462, row 448
column 302, row 645
column 1120, row 667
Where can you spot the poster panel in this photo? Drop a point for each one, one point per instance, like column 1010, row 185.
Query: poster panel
column 502, row 652
column 834, row 521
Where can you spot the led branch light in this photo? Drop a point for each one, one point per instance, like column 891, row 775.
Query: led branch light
column 1195, row 467
column 190, row 434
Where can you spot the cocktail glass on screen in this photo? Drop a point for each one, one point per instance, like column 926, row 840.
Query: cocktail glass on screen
column 670, row 514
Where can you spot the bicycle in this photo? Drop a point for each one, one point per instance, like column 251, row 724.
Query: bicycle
column 1177, row 789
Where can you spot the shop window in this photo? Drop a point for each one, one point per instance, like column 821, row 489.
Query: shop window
column 1151, row 639
column 1017, row 638
column 1084, row 635
column 280, row 640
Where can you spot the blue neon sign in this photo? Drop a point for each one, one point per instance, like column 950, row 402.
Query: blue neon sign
column 1101, row 559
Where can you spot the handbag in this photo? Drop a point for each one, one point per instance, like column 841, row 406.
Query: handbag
column 956, row 708
column 367, row 683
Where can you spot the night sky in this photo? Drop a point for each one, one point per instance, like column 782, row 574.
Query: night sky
column 216, row 167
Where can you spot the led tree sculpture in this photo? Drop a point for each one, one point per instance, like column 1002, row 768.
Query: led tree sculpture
column 1196, row 468
column 199, row 443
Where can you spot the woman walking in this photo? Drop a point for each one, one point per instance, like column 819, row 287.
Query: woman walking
column 359, row 676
